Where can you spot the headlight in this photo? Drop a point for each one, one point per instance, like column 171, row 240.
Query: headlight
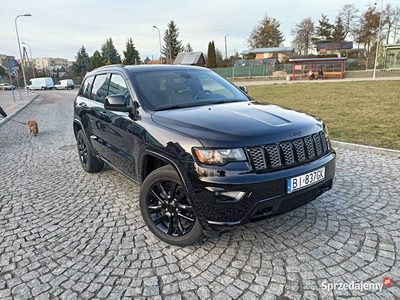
column 219, row 156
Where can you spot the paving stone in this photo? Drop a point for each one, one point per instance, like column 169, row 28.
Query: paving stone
column 68, row 234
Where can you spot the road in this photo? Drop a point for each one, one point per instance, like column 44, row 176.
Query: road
column 68, row 234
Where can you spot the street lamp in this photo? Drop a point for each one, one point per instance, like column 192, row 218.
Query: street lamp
column 19, row 45
column 377, row 41
column 159, row 39
column 226, row 49
column 30, row 51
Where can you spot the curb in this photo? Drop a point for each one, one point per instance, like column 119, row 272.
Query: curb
column 368, row 149
column 10, row 116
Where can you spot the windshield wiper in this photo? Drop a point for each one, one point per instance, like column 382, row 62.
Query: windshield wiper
column 196, row 104
column 171, row 107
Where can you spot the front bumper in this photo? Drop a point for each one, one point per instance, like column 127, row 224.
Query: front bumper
column 263, row 194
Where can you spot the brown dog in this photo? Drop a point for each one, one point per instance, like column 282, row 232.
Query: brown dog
column 33, row 127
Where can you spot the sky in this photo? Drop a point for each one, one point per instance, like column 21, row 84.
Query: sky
column 60, row 28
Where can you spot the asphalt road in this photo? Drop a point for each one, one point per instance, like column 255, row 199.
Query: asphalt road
column 71, row 235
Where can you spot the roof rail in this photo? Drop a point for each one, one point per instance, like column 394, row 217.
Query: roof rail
column 114, row 65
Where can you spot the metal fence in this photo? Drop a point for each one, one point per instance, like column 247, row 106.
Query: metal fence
column 354, row 68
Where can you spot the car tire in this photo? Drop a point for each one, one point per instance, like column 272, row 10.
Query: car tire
column 89, row 162
column 166, row 208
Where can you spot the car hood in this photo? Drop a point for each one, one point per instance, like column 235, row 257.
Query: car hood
column 238, row 124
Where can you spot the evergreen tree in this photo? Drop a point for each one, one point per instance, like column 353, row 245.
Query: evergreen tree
column 188, row 48
column 96, row 60
column 339, row 31
column 131, row 55
column 211, row 56
column 172, row 46
column 324, row 31
column 266, row 34
column 109, row 53
column 82, row 62
column 146, row 60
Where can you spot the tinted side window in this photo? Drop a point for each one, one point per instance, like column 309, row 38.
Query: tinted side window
column 86, row 87
column 118, row 86
column 100, row 88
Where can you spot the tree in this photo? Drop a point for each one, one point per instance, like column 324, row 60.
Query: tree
column 211, row 56
column 390, row 20
column 172, row 46
column 188, row 48
column 266, row 34
column 219, row 58
column 2, row 71
column 109, row 53
column 96, row 60
column 339, row 32
column 146, row 60
column 323, row 31
column 368, row 30
column 350, row 18
column 304, row 34
column 82, row 62
column 131, row 55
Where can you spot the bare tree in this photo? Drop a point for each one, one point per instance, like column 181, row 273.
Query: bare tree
column 303, row 36
column 367, row 33
column 390, row 21
column 349, row 16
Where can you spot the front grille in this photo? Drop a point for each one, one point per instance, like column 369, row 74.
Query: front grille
column 258, row 158
column 287, row 153
column 273, row 156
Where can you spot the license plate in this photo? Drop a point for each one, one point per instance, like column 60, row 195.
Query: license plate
column 305, row 180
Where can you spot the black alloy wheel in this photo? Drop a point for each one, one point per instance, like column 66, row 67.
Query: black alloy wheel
column 89, row 162
column 167, row 210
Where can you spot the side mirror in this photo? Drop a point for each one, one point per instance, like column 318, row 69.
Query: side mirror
column 243, row 89
column 117, row 103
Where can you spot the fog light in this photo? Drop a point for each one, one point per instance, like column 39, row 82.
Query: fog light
column 229, row 196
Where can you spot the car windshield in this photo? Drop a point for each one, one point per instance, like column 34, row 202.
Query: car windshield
column 161, row 90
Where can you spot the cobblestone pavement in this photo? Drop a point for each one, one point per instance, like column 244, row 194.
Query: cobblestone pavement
column 68, row 234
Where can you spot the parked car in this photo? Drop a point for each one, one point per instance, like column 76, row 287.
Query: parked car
column 42, row 83
column 205, row 153
column 7, row 86
column 64, row 84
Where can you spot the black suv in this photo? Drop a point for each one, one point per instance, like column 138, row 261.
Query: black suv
column 206, row 154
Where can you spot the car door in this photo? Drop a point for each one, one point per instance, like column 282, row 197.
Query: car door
column 116, row 128
column 94, row 96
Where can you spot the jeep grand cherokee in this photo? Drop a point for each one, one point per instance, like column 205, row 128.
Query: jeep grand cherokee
column 205, row 153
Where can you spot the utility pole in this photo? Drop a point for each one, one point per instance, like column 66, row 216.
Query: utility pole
column 377, row 42
column 226, row 48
